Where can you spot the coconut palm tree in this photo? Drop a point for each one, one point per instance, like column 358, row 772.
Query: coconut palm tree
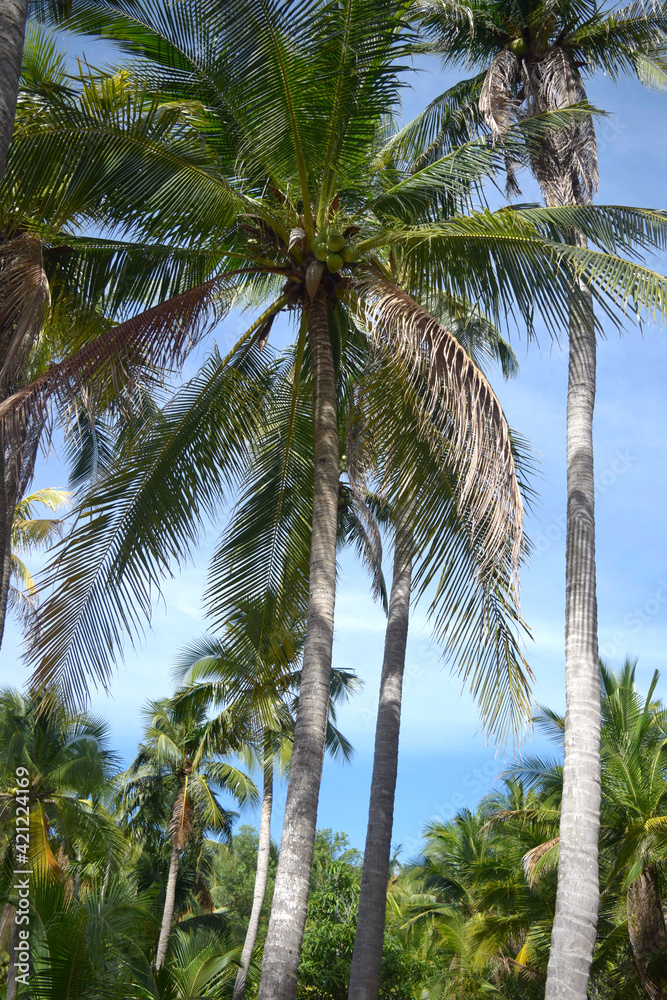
column 534, row 59
column 300, row 210
column 180, row 761
column 67, row 763
column 634, row 815
column 30, row 533
column 367, row 956
column 60, row 290
column 237, row 675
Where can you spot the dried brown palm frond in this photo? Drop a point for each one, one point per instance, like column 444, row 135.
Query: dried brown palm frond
column 497, row 100
column 461, row 414
column 180, row 825
column 24, row 300
column 564, row 162
column 531, row 859
column 153, row 339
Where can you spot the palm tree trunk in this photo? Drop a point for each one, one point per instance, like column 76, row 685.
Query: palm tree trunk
column 168, row 912
column 290, row 896
column 577, row 898
column 367, row 955
column 12, row 34
column 261, row 877
column 646, row 929
column 6, row 521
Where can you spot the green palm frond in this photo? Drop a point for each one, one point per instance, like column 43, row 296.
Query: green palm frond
column 120, row 534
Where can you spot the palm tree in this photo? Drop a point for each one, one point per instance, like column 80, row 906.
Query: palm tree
column 634, row 814
column 30, row 533
column 241, row 676
column 272, row 194
column 180, row 761
column 67, row 763
column 496, row 703
column 60, row 291
column 533, row 60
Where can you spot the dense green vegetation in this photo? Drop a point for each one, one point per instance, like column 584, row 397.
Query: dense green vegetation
column 250, row 154
column 471, row 916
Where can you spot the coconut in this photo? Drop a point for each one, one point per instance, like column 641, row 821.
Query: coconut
column 518, row 47
column 334, row 262
column 350, row 254
column 335, row 241
column 320, row 249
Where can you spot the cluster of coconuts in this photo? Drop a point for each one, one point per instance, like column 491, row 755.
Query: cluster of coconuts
column 331, row 247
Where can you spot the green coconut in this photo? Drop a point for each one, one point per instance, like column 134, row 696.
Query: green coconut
column 518, row 47
column 335, row 241
column 350, row 254
column 320, row 249
column 334, row 262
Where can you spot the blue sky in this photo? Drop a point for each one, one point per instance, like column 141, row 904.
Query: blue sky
column 445, row 763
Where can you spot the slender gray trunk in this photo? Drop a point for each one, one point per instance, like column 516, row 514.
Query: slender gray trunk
column 168, row 912
column 13, row 959
column 105, row 881
column 367, row 956
column 261, row 877
column 577, row 898
column 290, row 896
column 13, row 17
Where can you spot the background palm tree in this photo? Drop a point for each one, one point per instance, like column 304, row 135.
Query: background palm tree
column 242, row 677
column 634, row 816
column 534, row 59
column 30, row 533
column 499, row 709
column 69, row 764
column 180, row 762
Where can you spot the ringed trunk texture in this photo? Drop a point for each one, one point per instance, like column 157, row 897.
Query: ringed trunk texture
column 646, row 929
column 290, row 896
column 13, row 19
column 168, row 912
column 577, row 898
column 261, row 876
column 367, row 955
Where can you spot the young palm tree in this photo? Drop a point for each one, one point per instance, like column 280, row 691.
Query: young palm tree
column 242, row 677
column 181, row 758
column 67, row 763
column 30, row 533
column 300, row 209
column 535, row 59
